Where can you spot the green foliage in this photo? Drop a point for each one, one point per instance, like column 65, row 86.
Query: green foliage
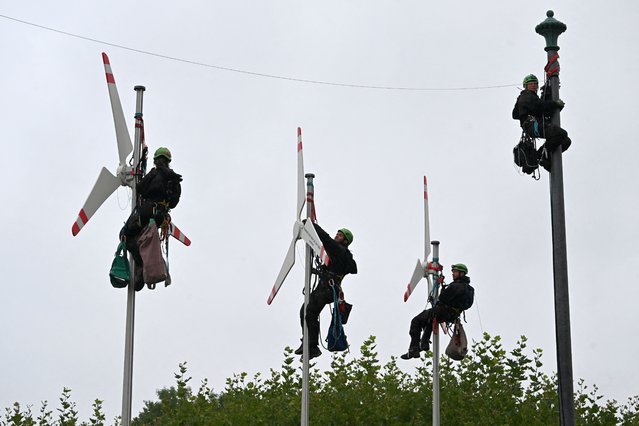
column 491, row 386
column 67, row 414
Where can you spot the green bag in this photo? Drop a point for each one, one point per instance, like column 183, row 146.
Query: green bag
column 120, row 272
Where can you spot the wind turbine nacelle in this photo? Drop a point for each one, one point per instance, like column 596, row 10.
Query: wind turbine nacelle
column 126, row 175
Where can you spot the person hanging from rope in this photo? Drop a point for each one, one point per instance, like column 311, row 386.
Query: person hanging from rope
column 159, row 191
column 453, row 300
column 341, row 263
column 534, row 116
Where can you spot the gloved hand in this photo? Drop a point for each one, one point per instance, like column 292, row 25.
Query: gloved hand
column 560, row 104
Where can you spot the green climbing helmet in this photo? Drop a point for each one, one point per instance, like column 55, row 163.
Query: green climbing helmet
column 162, row 152
column 460, row 267
column 347, row 234
column 530, row 78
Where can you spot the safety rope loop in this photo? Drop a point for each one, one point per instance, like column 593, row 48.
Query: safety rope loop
column 310, row 199
column 552, row 67
column 139, row 124
column 140, row 168
column 437, row 280
column 337, row 330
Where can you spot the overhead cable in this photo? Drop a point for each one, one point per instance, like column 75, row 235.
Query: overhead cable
column 254, row 73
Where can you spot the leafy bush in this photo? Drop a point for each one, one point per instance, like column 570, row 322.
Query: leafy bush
column 489, row 387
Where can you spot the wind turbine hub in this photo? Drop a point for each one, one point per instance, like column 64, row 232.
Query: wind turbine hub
column 126, row 175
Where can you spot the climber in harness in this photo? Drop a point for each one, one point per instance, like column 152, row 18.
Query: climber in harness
column 453, row 300
column 159, row 191
column 330, row 279
column 534, row 115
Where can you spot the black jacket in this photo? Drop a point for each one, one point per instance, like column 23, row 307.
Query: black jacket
column 161, row 184
column 455, row 293
column 528, row 103
column 341, row 259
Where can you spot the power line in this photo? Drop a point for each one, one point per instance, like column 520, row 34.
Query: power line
column 253, row 73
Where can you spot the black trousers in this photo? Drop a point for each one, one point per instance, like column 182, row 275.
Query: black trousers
column 423, row 322
column 320, row 297
column 554, row 135
column 137, row 221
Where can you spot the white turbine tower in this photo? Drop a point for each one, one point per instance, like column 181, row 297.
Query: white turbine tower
column 106, row 185
column 306, row 231
column 429, row 270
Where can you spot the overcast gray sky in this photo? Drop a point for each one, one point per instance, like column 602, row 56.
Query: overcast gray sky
column 233, row 138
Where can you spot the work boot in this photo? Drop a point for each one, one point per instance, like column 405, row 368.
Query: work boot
column 314, row 351
column 300, row 350
column 565, row 144
column 413, row 352
column 424, row 345
column 139, row 279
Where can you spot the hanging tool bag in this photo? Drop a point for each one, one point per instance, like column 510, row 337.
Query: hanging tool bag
column 153, row 266
column 525, row 155
column 458, row 346
column 335, row 338
column 120, row 273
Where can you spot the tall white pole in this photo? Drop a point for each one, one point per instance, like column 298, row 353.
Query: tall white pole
column 127, row 387
column 307, row 292
column 436, row 401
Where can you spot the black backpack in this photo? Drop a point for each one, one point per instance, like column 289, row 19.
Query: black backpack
column 526, row 156
column 466, row 301
column 174, row 190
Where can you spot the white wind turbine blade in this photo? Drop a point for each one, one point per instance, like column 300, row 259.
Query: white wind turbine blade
column 289, row 261
column 125, row 147
column 420, row 269
column 309, row 235
column 427, row 246
column 418, row 274
column 103, row 188
column 175, row 232
column 301, row 190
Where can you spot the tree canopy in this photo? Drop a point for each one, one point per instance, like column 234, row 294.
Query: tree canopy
column 489, row 387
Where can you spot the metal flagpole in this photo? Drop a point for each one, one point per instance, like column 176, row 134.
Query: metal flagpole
column 307, row 292
column 435, row 325
column 127, row 388
column 550, row 29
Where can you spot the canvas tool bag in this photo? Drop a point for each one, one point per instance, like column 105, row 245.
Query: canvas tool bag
column 458, row 346
column 153, row 267
column 335, row 338
column 120, row 273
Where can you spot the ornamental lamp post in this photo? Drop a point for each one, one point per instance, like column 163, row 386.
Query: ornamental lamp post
column 550, row 29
